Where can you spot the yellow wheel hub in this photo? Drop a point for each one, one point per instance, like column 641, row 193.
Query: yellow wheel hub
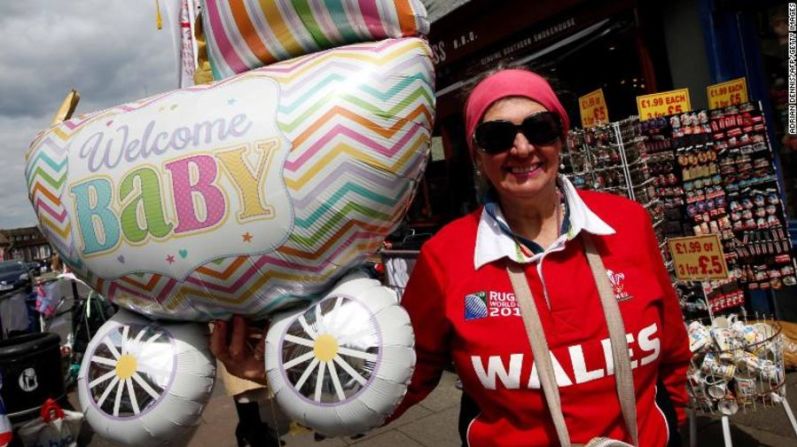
column 325, row 348
column 126, row 366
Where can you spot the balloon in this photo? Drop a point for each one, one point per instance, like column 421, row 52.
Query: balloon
column 343, row 365
column 244, row 196
column 143, row 383
column 248, row 34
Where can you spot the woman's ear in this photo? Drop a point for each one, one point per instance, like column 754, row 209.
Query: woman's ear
column 477, row 162
column 479, row 179
column 478, row 169
column 561, row 159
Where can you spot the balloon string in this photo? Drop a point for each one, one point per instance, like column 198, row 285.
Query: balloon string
column 158, row 18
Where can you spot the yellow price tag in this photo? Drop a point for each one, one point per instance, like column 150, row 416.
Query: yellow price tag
column 663, row 104
column 727, row 93
column 698, row 258
column 592, row 107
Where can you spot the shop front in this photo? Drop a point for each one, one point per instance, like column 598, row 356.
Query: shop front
column 579, row 45
column 624, row 47
column 620, row 51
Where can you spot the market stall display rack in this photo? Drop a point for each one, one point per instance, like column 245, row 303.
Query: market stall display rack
column 613, row 158
column 760, row 240
column 721, row 180
column 703, row 208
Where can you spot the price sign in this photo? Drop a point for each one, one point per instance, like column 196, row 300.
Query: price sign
column 727, row 93
column 593, row 109
column 698, row 258
column 663, row 104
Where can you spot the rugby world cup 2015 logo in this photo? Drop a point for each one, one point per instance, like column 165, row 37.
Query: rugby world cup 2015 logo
column 475, row 305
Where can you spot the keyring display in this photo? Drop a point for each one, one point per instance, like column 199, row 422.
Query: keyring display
column 698, row 173
column 616, row 158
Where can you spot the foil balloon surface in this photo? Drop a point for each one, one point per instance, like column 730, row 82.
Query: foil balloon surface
column 244, row 196
column 342, row 365
column 245, row 34
column 144, row 383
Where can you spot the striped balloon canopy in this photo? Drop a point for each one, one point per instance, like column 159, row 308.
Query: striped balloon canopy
column 245, row 34
column 242, row 196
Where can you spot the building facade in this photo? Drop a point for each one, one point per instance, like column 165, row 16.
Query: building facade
column 625, row 47
column 25, row 244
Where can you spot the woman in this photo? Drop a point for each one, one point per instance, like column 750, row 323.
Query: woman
column 241, row 371
column 463, row 308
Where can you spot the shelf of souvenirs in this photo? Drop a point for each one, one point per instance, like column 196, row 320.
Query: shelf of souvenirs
column 653, row 144
column 638, row 164
column 766, row 277
column 763, row 243
column 579, row 181
column 723, row 294
column 721, row 227
column 758, row 259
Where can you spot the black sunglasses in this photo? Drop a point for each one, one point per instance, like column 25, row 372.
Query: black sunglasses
column 494, row 137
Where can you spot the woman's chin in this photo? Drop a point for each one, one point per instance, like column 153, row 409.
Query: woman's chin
column 530, row 186
column 524, row 190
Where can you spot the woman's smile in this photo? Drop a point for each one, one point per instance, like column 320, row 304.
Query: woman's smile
column 523, row 173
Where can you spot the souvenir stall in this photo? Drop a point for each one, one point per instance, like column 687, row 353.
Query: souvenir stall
column 697, row 173
column 614, row 158
column 707, row 173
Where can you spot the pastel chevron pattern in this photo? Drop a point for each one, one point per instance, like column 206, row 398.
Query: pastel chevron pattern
column 246, row 34
column 46, row 174
column 359, row 119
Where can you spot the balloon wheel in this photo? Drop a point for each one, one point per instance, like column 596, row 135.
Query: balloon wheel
column 130, row 368
column 331, row 351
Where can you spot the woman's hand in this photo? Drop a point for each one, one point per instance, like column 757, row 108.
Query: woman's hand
column 240, row 348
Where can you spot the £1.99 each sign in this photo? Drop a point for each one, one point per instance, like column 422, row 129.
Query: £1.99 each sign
column 663, row 104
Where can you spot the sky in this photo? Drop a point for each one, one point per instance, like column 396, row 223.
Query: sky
column 109, row 50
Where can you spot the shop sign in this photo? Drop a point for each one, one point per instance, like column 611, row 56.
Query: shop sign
column 727, row 93
column 439, row 54
column 592, row 107
column 698, row 258
column 663, row 104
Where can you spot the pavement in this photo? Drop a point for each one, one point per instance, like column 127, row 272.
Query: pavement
column 433, row 423
column 430, row 423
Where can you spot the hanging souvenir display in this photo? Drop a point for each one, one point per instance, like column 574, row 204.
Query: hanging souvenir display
column 761, row 242
column 704, row 201
column 615, row 158
column 710, row 172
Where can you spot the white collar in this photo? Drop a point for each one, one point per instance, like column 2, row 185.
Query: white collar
column 493, row 244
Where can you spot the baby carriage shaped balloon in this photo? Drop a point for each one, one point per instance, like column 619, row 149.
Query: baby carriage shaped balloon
column 257, row 194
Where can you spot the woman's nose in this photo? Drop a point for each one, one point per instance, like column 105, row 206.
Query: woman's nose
column 521, row 146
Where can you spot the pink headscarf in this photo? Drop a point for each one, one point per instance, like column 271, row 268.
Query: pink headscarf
column 510, row 82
